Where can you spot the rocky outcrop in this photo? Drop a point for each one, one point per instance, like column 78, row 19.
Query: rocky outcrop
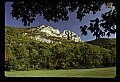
column 70, row 36
column 51, row 32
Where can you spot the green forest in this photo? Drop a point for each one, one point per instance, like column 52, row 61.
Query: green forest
column 23, row 53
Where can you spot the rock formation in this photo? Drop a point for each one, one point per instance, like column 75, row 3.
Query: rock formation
column 40, row 32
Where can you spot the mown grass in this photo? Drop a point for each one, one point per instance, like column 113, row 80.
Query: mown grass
column 109, row 72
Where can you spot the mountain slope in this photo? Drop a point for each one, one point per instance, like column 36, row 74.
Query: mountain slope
column 24, row 53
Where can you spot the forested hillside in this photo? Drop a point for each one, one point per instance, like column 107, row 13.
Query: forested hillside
column 108, row 43
column 23, row 53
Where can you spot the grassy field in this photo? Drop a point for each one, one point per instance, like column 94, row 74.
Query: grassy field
column 109, row 72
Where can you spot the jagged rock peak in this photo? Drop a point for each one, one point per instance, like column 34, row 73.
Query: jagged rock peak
column 70, row 35
column 50, row 31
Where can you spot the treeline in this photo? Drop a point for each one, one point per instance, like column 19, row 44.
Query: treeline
column 22, row 53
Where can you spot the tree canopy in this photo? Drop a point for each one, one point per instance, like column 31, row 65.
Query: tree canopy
column 55, row 11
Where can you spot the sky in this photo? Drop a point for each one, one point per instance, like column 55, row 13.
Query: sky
column 72, row 24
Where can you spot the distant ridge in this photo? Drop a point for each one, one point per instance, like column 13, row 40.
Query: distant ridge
column 107, row 43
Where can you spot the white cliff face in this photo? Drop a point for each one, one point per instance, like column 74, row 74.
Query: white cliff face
column 72, row 36
column 49, row 31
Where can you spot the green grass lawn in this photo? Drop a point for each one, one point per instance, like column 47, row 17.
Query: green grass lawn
column 109, row 72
